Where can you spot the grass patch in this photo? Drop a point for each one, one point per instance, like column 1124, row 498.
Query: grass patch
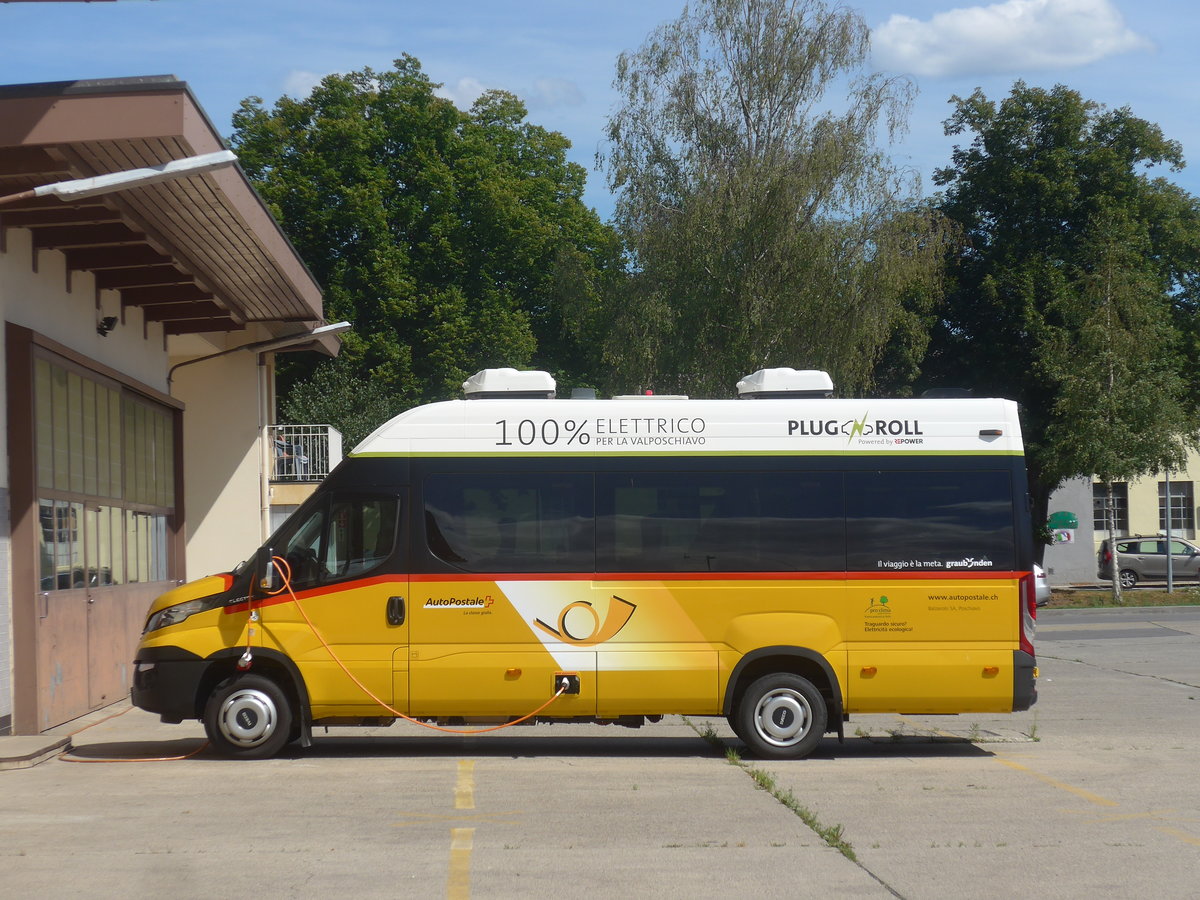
column 830, row 834
column 1102, row 599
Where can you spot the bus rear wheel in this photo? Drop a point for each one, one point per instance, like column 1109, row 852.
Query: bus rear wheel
column 248, row 717
column 781, row 716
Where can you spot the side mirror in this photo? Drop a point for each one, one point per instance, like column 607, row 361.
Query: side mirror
column 266, row 576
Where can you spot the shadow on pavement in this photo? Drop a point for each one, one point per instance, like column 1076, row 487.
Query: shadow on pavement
column 139, row 751
column 516, row 747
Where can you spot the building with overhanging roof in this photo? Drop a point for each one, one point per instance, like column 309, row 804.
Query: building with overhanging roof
column 135, row 427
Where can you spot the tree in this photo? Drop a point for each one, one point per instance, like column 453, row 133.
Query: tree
column 335, row 394
column 765, row 228
column 439, row 233
column 1071, row 293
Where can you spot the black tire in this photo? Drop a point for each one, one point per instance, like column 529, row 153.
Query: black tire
column 1129, row 579
column 781, row 716
column 248, row 717
column 732, row 719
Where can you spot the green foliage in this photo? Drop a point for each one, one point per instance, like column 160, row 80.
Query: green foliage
column 441, row 234
column 335, row 394
column 1072, row 292
column 765, row 228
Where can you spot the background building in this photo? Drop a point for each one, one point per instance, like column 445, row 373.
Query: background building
column 1139, row 507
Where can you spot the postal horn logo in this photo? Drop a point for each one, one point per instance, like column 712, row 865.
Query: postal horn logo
column 580, row 624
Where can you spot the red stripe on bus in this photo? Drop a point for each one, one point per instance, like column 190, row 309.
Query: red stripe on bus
column 711, row 576
column 495, row 577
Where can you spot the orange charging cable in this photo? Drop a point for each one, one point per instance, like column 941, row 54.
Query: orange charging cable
column 285, row 572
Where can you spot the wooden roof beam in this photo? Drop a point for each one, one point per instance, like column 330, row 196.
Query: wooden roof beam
column 199, row 326
column 140, row 276
column 99, row 258
column 55, row 237
column 165, row 293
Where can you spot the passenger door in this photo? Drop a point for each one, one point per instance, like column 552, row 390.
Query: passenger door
column 349, row 615
column 1143, row 557
column 1185, row 560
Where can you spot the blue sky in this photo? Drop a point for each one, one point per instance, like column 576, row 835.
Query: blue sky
column 558, row 56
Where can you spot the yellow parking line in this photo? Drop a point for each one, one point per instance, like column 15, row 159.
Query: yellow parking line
column 1062, row 786
column 1182, row 835
column 464, row 790
column 458, row 887
column 1176, row 833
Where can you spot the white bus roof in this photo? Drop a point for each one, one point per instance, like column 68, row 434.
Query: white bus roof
column 662, row 426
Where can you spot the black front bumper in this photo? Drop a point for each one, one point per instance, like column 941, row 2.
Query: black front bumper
column 166, row 681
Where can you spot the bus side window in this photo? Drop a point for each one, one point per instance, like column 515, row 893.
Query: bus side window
column 720, row 521
column 534, row 522
column 341, row 539
column 930, row 520
column 369, row 534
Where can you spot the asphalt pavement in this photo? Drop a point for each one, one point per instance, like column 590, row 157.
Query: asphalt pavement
column 1093, row 792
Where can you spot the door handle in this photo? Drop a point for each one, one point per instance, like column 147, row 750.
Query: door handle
column 395, row 610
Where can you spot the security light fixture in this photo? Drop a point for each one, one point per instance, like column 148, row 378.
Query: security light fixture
column 80, row 188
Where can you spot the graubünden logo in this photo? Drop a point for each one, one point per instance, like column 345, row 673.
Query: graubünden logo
column 580, row 624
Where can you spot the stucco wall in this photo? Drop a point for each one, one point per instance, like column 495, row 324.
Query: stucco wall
column 40, row 301
column 1074, row 562
column 222, row 460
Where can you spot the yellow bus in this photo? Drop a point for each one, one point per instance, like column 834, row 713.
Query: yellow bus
column 785, row 559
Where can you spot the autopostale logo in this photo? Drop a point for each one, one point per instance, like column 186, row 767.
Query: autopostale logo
column 459, row 602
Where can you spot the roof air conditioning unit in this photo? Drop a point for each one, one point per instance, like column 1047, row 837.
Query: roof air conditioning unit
column 509, row 384
column 789, row 384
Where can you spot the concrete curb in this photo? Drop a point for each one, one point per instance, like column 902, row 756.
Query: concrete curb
column 25, row 751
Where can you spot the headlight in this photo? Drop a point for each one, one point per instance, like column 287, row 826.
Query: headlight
column 173, row 615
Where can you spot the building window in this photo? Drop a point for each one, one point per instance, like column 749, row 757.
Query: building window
column 1183, row 510
column 106, row 480
column 1120, row 507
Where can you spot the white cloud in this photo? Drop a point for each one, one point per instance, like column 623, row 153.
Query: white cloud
column 546, row 93
column 1012, row 38
column 299, row 84
column 463, row 92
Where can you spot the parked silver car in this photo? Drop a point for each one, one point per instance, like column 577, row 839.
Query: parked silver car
column 1144, row 558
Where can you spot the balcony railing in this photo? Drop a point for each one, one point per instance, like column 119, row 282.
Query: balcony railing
column 304, row 452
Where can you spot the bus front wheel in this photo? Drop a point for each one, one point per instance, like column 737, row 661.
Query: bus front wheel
column 248, row 717
column 781, row 716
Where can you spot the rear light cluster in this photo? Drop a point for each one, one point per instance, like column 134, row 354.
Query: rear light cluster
column 1028, row 594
